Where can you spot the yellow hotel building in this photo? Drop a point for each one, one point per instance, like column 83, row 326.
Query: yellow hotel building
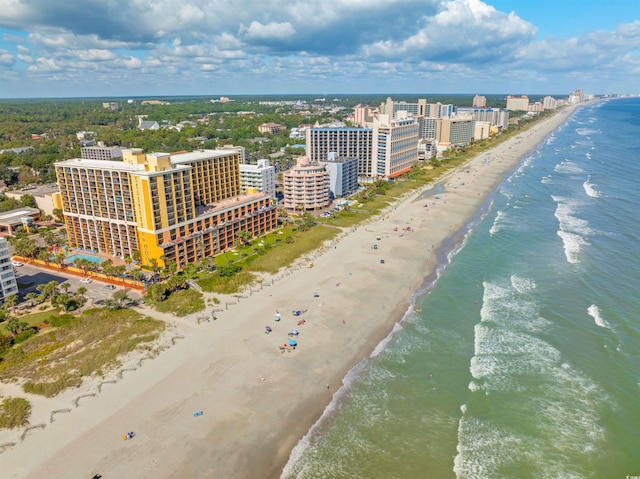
column 181, row 207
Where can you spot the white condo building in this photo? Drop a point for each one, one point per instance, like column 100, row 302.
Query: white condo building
column 101, row 152
column 345, row 142
column 261, row 177
column 395, row 145
column 8, row 284
column 343, row 175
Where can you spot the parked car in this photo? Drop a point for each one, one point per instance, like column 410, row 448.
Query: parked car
column 85, row 280
column 17, row 263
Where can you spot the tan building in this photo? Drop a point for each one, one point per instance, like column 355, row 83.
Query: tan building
column 456, row 131
column 306, row 186
column 270, row 128
column 479, row 101
column 518, row 103
column 43, row 195
column 395, row 145
column 177, row 208
column 25, row 218
column 363, row 115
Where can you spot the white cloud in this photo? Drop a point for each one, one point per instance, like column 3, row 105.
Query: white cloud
column 132, row 63
column 313, row 42
column 45, row 65
column 258, row 31
column 95, row 55
column 6, row 58
column 24, row 58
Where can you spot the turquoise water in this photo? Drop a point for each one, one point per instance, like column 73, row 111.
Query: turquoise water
column 93, row 259
column 524, row 360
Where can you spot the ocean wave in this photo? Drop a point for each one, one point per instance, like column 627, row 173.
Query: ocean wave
column 565, row 214
column 572, row 230
column 497, row 222
column 585, row 131
column 590, row 190
column 530, row 428
column 522, row 285
column 572, row 245
column 594, row 312
column 567, row 166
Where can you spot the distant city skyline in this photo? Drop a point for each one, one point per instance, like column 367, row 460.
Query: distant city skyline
column 132, row 48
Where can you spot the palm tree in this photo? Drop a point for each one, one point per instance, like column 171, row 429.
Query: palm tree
column 10, row 302
column 31, row 297
column 82, row 291
column 59, row 259
column 83, row 264
column 65, row 286
column 44, row 256
column 244, row 237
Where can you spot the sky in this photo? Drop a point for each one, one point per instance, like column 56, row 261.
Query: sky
column 129, row 48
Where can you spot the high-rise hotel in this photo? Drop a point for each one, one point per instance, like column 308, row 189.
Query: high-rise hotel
column 180, row 207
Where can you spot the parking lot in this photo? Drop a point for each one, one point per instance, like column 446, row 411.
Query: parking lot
column 29, row 277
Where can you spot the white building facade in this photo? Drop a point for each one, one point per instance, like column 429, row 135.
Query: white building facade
column 345, row 142
column 261, row 177
column 8, row 284
column 343, row 175
column 395, row 145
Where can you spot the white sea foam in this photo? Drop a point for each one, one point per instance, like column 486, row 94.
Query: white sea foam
column 589, row 189
column 572, row 230
column 569, row 167
column 546, row 180
column 565, row 214
column 594, row 312
column 306, row 442
column 585, row 131
column 382, row 345
column 540, row 384
column 572, row 243
column 522, row 285
column 497, row 223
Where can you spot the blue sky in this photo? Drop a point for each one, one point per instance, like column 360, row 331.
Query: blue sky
column 123, row 48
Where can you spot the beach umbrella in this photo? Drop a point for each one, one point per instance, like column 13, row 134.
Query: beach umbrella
column 294, row 332
column 293, row 342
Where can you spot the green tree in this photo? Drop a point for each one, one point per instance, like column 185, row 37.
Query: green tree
column 29, row 201
column 32, row 298
column 58, row 215
column 244, row 237
column 10, row 302
column 122, row 298
column 25, row 247
column 15, row 325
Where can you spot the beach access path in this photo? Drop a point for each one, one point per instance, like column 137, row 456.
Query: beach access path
column 256, row 401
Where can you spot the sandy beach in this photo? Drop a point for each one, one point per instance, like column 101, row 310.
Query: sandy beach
column 256, row 401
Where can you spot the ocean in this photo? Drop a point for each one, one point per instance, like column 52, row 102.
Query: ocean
column 522, row 358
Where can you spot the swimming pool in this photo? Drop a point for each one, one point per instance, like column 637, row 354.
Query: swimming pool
column 93, row 259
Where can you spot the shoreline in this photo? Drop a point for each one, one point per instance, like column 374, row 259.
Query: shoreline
column 257, row 402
